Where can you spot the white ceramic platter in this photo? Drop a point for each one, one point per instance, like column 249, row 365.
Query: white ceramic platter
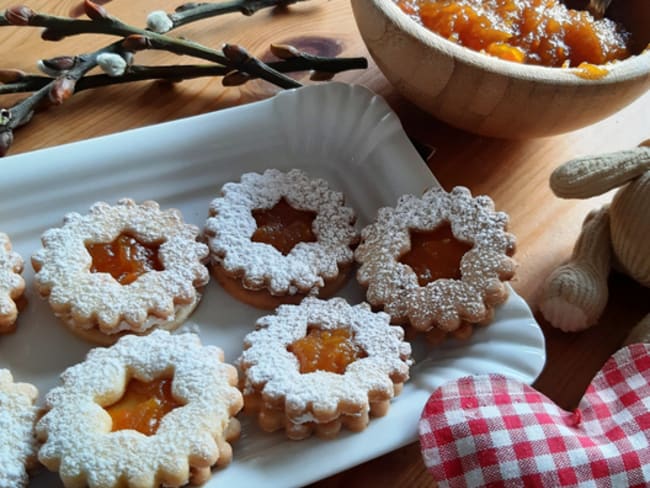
column 342, row 133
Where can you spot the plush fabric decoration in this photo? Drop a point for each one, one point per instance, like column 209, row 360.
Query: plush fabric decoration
column 493, row 431
column 617, row 235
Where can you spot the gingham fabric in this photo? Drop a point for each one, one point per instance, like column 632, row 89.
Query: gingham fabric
column 497, row 432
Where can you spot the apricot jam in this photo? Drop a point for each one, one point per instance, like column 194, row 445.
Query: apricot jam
column 283, row 226
column 542, row 32
column 143, row 406
column 326, row 350
column 590, row 71
column 125, row 258
column 435, row 254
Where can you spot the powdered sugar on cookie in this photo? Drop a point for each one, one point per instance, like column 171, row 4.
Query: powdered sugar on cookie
column 271, row 369
column 88, row 300
column 17, row 441
column 76, row 430
column 442, row 303
column 304, row 269
column 12, row 284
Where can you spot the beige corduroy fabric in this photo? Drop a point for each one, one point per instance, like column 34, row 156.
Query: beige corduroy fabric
column 630, row 229
column 595, row 175
column 575, row 294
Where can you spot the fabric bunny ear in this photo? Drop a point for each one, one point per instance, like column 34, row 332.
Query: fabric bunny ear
column 490, row 430
column 594, row 175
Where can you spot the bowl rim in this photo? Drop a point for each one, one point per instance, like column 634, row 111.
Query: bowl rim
column 631, row 68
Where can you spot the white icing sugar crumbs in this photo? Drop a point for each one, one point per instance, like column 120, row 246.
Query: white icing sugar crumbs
column 96, row 299
column 188, row 328
column 12, row 283
column 76, row 429
column 231, row 225
column 17, row 441
column 270, row 368
column 442, row 303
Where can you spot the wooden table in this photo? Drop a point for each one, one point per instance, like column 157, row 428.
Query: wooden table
column 514, row 173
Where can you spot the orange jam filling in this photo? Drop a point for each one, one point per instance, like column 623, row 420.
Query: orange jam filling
column 435, row 254
column 283, row 226
column 326, row 350
column 125, row 258
column 543, row 32
column 143, row 406
column 590, row 71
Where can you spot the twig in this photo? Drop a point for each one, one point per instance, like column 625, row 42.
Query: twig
column 140, row 39
column 191, row 12
column 317, row 64
column 56, row 91
column 69, row 73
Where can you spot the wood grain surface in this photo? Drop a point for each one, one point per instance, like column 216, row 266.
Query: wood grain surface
column 514, row 173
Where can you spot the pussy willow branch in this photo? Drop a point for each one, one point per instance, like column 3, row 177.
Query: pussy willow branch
column 232, row 62
column 55, row 91
column 102, row 23
column 30, row 83
column 191, row 12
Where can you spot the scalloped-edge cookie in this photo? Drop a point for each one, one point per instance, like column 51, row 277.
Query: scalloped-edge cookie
column 76, row 429
column 302, row 396
column 93, row 302
column 12, row 284
column 17, row 441
column 442, row 306
column 261, row 272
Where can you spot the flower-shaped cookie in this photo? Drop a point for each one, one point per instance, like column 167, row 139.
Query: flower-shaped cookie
column 17, row 442
column 447, row 226
column 94, row 434
column 12, row 284
column 277, row 237
column 321, row 365
column 120, row 269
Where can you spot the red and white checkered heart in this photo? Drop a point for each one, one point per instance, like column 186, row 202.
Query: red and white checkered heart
column 492, row 431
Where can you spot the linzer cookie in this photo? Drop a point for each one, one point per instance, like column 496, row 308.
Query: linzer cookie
column 121, row 269
column 277, row 237
column 17, row 441
column 156, row 410
column 438, row 262
column 322, row 365
column 12, row 284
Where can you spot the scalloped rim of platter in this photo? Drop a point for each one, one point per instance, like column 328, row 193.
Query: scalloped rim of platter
column 343, row 133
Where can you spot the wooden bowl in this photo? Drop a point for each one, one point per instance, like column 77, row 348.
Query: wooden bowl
column 492, row 97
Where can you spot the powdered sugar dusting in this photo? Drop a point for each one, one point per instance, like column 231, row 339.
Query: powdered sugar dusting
column 90, row 299
column 12, row 283
column 17, row 442
column 76, row 429
column 231, row 225
column 270, row 368
column 188, row 328
column 442, row 303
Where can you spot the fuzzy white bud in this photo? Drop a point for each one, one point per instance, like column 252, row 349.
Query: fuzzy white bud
column 128, row 57
column 158, row 21
column 46, row 69
column 112, row 64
